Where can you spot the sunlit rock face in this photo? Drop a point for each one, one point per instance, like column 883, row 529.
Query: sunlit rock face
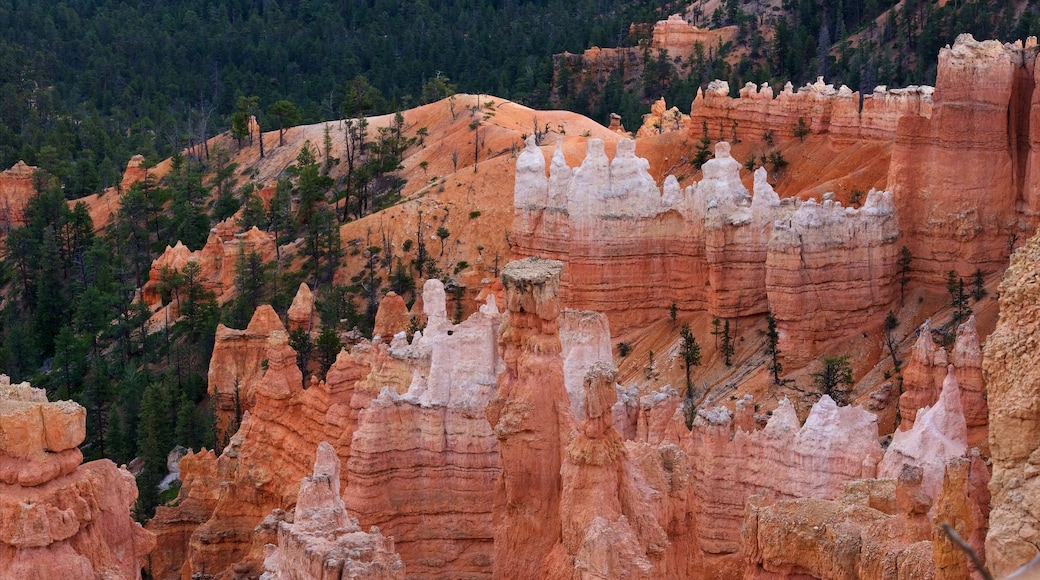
column 60, row 519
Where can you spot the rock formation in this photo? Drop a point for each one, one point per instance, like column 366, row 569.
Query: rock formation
column 392, row 317
column 321, row 541
column 816, row 107
column 725, row 251
column 216, row 260
column 927, row 369
column 530, row 415
column 938, row 434
column 301, row 311
column 1012, row 372
column 60, row 519
column 680, row 38
column 662, row 119
column 963, row 218
column 237, row 365
column 16, row 187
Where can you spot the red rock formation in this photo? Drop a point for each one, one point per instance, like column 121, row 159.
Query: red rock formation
column 939, row 433
column 531, row 417
column 16, row 187
column 60, row 519
column 322, row 541
column 926, row 370
column 817, row 107
column 830, row 270
column 662, row 119
column 134, row 172
column 834, row 446
column 236, row 366
column 217, row 261
column 1012, row 372
column 723, row 251
column 866, row 532
column 680, row 38
column 174, row 526
column 421, row 458
column 301, row 311
column 961, row 219
column 392, row 317
column 922, row 377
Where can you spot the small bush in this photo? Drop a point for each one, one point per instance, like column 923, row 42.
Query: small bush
column 624, row 349
column 474, row 214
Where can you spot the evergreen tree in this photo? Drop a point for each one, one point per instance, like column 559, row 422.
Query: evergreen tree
column 834, row 379
column 728, row 348
column 287, row 114
column 905, row 259
column 773, row 348
column 691, row 352
column 328, row 346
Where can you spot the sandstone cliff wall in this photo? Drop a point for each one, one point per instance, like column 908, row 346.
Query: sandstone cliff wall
column 632, row 249
column 1012, row 370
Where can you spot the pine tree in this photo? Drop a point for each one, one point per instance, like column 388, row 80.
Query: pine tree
column 772, row 348
column 834, row 379
column 728, row 348
column 905, row 259
column 691, row 352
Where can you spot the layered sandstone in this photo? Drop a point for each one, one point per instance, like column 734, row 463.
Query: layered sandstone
column 16, row 187
column 964, row 218
column 216, row 260
column 680, row 38
column 1012, row 373
column 423, row 459
column 530, row 415
column 320, row 540
column 939, row 433
column 406, row 420
column 725, row 251
column 877, row 528
column 60, row 519
column 815, row 460
column 816, row 107
column 927, row 369
column 237, row 365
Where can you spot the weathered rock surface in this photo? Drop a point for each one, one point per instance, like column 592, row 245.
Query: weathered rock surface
column 216, row 261
column 16, row 187
column 927, row 369
column 392, row 317
column 1012, row 372
column 60, row 519
column 301, row 312
column 322, row 541
column 724, row 251
column 962, row 218
column 237, row 365
column 939, row 433
column 817, row 107
column 531, row 417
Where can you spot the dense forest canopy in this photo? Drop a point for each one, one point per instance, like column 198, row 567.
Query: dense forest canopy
column 85, row 84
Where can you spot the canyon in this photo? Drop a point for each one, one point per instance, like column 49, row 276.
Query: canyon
column 518, row 441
